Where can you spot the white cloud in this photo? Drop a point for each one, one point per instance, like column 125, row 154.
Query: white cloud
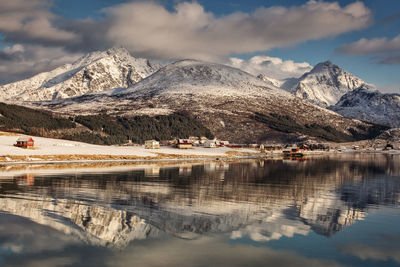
column 376, row 45
column 387, row 50
column 31, row 20
column 190, row 31
column 22, row 61
column 272, row 67
column 389, row 88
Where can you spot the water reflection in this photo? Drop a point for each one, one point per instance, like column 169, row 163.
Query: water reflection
column 258, row 201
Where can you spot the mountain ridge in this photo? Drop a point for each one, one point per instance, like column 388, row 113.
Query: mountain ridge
column 371, row 106
column 94, row 72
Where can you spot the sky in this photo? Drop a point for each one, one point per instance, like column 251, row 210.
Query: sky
column 280, row 39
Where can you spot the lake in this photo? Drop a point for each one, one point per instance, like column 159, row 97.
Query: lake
column 338, row 210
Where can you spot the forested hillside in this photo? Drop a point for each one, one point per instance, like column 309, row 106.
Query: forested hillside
column 99, row 129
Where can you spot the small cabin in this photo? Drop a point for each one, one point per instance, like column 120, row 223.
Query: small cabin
column 25, row 142
column 151, row 144
column 184, row 143
column 210, row 144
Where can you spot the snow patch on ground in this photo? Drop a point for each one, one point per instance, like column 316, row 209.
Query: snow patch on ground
column 48, row 146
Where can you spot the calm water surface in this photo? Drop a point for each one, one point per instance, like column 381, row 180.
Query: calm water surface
column 329, row 211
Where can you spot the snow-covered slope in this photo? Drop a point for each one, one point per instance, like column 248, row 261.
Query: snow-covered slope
column 371, row 106
column 95, row 72
column 201, row 78
column 271, row 81
column 325, row 84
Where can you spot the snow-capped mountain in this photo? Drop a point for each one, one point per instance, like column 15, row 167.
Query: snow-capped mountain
column 372, row 106
column 325, row 84
column 201, row 78
column 95, row 72
column 223, row 98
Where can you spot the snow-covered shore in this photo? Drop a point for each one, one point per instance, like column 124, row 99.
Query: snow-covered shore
column 56, row 149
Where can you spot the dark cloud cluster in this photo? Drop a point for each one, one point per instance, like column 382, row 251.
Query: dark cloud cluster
column 148, row 29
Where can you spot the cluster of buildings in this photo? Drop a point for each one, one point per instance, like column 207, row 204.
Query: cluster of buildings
column 188, row 143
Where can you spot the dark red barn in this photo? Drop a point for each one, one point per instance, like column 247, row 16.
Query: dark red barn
column 25, row 142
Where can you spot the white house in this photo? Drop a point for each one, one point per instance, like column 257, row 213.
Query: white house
column 151, row 144
column 210, row 144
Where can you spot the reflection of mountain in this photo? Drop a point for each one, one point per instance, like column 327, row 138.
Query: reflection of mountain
column 94, row 224
column 326, row 216
column 260, row 200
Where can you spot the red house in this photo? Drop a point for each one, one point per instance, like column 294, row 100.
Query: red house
column 25, row 142
column 184, row 143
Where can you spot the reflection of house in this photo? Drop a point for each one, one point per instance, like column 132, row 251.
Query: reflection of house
column 154, row 171
column 184, row 143
column 290, row 150
column 185, row 170
column 25, row 142
column 26, row 179
column 151, row 144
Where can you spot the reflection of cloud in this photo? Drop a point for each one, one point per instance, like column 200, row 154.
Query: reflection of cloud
column 19, row 236
column 389, row 249
column 209, row 252
column 272, row 228
column 42, row 246
column 51, row 261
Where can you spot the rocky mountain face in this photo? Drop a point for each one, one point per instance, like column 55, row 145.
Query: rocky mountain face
column 233, row 104
column 325, row 84
column 95, row 72
column 371, row 106
column 391, row 135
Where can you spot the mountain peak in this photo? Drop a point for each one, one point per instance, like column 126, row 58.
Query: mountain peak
column 326, row 83
column 118, row 50
column 325, row 66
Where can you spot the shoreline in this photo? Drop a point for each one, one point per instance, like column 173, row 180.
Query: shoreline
column 175, row 157
column 139, row 160
column 46, row 168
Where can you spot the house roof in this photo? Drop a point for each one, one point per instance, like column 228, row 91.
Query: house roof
column 24, row 139
column 184, row 141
